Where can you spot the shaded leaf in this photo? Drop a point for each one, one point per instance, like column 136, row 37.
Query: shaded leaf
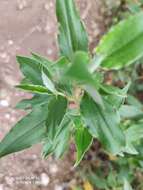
column 133, row 134
column 37, row 100
column 61, row 142
column 83, row 141
column 57, row 110
column 103, row 124
column 95, row 95
column 98, row 181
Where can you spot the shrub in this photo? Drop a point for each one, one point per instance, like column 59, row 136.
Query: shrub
column 70, row 96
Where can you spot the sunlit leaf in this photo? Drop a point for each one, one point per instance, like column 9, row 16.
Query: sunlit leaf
column 34, row 88
column 28, row 131
column 72, row 35
column 122, row 45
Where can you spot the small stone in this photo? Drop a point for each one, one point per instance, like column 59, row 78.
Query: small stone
column 22, row 4
column 53, row 168
column 45, row 179
column 5, row 57
column 9, row 180
column 10, row 42
column 46, row 6
column 7, row 116
column 49, row 52
column 1, row 187
column 4, row 103
column 58, row 187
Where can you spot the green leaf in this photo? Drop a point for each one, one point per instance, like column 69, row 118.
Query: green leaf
column 130, row 112
column 37, row 100
column 62, row 139
column 131, row 100
column 133, row 134
column 61, row 142
column 95, row 95
column 127, row 186
column 31, row 69
column 28, row 131
column 72, row 35
column 103, row 124
column 83, row 140
column 112, row 90
column 78, row 71
column 34, row 88
column 99, row 182
column 57, row 111
column 48, row 83
column 115, row 96
column 44, row 62
column 123, row 44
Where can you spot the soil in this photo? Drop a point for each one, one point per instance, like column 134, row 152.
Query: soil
column 30, row 25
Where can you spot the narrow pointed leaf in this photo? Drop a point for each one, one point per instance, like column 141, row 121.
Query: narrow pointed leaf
column 30, row 69
column 28, row 131
column 59, row 145
column 37, row 100
column 130, row 112
column 48, row 83
column 83, row 141
column 34, row 88
column 133, row 134
column 123, row 44
column 57, row 110
column 103, row 124
column 72, row 35
column 127, row 186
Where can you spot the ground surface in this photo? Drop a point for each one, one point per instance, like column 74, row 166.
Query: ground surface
column 30, row 25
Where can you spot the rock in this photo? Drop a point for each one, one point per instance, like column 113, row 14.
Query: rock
column 22, row 4
column 53, row 168
column 1, row 187
column 45, row 179
column 4, row 103
column 58, row 187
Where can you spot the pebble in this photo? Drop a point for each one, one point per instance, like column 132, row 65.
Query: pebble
column 46, row 6
column 49, row 52
column 7, row 116
column 1, row 187
column 22, row 4
column 5, row 57
column 10, row 42
column 53, row 168
column 4, row 103
column 9, row 180
column 58, row 187
column 45, row 179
